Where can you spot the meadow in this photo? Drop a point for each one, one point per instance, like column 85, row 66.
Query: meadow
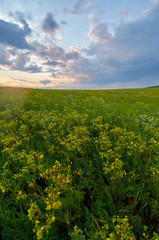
column 79, row 164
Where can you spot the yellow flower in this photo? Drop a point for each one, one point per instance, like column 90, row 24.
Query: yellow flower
column 53, row 219
column 48, row 207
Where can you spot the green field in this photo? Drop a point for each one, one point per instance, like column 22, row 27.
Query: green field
column 79, row 164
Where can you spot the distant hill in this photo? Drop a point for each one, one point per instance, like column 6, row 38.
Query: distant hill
column 154, row 86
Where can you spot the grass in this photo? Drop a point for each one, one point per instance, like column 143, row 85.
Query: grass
column 78, row 164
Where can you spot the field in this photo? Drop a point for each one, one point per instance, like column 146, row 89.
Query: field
column 79, row 164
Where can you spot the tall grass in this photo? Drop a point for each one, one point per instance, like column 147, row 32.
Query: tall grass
column 79, row 164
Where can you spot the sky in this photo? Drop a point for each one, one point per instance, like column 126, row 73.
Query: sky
column 79, row 44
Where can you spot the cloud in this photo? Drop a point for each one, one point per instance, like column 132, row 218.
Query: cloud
column 20, row 17
column 128, row 55
column 41, row 49
column 64, row 22
column 53, row 74
column 55, row 55
column 52, row 52
column 4, row 56
column 76, row 10
column 155, row 1
column 140, row 35
column 45, row 82
column 22, row 80
column 11, row 34
column 49, row 24
column 72, row 55
column 17, row 54
column 32, row 68
column 54, row 63
column 22, row 62
column 129, row 38
column 99, row 32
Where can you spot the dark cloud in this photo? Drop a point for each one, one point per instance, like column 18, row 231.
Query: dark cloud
column 20, row 17
column 140, row 35
column 54, row 55
column 53, row 74
column 51, row 52
column 11, row 34
column 73, row 55
column 140, row 67
column 54, row 64
column 49, row 24
column 4, row 56
column 128, row 55
column 22, row 63
column 45, row 82
column 33, row 68
column 129, row 38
